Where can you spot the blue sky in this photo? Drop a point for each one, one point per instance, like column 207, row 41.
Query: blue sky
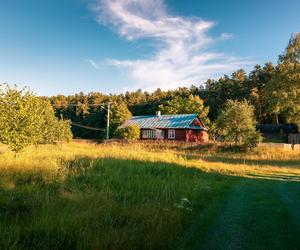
column 67, row 46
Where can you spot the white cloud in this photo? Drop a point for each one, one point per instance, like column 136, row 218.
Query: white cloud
column 92, row 63
column 226, row 36
column 181, row 56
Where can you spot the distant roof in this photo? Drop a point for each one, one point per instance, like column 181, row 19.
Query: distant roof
column 163, row 121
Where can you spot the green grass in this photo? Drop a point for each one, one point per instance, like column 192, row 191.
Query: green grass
column 255, row 215
column 148, row 196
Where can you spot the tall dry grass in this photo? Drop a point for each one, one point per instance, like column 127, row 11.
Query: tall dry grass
column 50, row 158
column 120, row 196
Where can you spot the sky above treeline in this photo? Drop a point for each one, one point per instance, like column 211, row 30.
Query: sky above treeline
column 110, row 46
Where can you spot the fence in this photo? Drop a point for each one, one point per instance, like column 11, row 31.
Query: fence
column 294, row 138
column 280, row 146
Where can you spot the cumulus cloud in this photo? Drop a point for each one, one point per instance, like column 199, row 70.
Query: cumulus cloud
column 182, row 54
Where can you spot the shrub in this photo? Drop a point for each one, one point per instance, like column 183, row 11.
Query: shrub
column 131, row 132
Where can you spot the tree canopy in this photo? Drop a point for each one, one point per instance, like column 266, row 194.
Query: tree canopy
column 27, row 119
column 186, row 105
column 119, row 114
column 284, row 88
column 236, row 123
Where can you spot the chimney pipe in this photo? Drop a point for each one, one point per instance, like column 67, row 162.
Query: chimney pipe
column 158, row 113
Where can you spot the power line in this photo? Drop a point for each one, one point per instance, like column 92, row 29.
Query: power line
column 86, row 127
column 93, row 128
column 89, row 105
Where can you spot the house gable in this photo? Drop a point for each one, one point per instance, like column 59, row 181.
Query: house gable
column 197, row 122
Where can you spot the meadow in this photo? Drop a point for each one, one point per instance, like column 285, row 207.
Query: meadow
column 149, row 196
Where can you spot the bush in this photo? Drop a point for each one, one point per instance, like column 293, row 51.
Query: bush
column 131, row 132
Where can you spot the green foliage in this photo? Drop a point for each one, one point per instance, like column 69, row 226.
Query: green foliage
column 52, row 129
column 284, row 92
column 236, row 123
column 119, row 114
column 213, row 131
column 27, row 119
column 284, row 89
column 190, row 105
column 131, row 132
column 292, row 51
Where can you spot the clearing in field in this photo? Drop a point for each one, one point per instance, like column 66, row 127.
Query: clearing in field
column 148, row 196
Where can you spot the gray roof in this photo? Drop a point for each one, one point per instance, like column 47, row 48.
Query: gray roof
column 163, row 121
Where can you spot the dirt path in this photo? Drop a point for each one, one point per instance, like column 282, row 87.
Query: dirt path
column 255, row 214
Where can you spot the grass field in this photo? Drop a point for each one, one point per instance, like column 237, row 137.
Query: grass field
column 148, row 196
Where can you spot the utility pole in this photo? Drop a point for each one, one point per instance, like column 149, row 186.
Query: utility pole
column 107, row 121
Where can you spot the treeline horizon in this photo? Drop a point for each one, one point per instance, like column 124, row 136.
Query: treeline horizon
column 273, row 90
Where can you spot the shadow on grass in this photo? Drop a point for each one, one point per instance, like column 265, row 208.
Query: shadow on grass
column 110, row 204
column 253, row 162
column 103, row 204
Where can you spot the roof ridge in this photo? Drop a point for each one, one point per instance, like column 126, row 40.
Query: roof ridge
column 162, row 121
column 162, row 115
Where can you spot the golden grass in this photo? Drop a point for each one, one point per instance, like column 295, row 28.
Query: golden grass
column 262, row 161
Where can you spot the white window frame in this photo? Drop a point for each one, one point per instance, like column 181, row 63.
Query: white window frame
column 152, row 134
column 144, row 134
column 171, row 134
column 149, row 134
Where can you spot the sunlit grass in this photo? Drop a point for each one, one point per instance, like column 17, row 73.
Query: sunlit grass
column 124, row 196
column 50, row 158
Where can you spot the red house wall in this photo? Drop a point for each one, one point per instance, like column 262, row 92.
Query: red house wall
column 187, row 135
column 197, row 136
column 179, row 135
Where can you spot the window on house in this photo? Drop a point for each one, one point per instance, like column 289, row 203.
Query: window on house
column 171, row 133
column 149, row 134
column 153, row 134
column 160, row 134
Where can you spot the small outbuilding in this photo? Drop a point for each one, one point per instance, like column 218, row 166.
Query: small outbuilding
column 294, row 138
column 181, row 127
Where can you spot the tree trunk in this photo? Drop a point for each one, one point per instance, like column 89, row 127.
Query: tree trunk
column 276, row 119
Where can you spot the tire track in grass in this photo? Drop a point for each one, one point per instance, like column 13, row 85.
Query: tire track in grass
column 199, row 230
column 290, row 195
column 254, row 216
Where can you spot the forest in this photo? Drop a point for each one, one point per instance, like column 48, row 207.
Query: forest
column 273, row 91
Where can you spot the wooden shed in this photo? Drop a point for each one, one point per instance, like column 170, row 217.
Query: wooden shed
column 294, row 138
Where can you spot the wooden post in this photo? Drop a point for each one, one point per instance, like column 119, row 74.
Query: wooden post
column 107, row 121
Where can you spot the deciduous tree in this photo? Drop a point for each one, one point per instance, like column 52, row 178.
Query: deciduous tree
column 284, row 89
column 236, row 123
column 118, row 115
column 27, row 119
column 190, row 105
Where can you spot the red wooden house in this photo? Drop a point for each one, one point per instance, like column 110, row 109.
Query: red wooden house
column 183, row 127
